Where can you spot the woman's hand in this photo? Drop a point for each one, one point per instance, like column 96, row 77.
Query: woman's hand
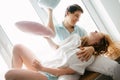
column 36, row 64
column 85, row 53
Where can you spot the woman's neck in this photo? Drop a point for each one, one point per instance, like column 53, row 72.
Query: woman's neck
column 90, row 40
column 86, row 41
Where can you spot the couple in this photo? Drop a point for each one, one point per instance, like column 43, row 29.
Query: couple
column 38, row 72
column 67, row 63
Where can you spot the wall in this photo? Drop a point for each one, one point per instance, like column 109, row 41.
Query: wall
column 113, row 9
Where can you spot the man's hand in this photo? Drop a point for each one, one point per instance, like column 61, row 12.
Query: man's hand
column 85, row 53
column 50, row 10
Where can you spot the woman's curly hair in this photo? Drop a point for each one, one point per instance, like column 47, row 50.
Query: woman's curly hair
column 100, row 47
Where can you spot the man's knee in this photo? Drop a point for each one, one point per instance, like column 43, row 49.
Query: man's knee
column 69, row 77
column 116, row 73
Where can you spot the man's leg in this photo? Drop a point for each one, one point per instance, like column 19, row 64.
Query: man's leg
column 116, row 75
column 69, row 77
column 105, row 66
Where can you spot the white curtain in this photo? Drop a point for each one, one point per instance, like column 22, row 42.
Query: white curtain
column 5, row 47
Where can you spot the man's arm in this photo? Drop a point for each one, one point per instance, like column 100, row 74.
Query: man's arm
column 85, row 53
column 50, row 25
column 50, row 20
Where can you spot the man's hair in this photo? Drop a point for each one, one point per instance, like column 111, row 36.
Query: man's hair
column 73, row 8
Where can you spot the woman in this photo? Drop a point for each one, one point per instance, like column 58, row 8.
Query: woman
column 68, row 63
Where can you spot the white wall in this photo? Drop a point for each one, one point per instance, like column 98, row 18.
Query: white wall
column 105, row 14
column 113, row 9
column 3, row 68
column 5, row 47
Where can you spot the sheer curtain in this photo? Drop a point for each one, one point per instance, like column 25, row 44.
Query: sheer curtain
column 5, row 47
column 18, row 10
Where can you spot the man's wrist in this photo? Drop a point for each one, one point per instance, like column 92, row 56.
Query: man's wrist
column 95, row 53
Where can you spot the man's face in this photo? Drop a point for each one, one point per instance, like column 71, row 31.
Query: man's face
column 73, row 17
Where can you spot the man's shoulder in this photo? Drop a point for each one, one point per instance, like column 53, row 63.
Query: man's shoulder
column 79, row 27
column 59, row 25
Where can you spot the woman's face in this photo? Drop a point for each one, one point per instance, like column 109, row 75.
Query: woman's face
column 95, row 37
column 72, row 18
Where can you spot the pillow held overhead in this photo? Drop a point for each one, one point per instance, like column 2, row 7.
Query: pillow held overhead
column 48, row 3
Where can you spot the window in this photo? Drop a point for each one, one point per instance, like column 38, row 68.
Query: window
column 105, row 16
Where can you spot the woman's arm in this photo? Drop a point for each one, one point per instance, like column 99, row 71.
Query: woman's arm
column 54, row 71
column 52, row 43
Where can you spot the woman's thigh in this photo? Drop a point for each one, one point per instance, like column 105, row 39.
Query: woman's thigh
column 20, row 74
column 21, row 54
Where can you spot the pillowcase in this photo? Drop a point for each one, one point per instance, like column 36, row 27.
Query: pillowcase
column 34, row 28
column 48, row 3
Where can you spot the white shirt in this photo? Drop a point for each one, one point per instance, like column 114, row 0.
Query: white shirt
column 66, row 55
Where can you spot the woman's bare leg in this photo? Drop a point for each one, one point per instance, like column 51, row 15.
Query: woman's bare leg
column 20, row 74
column 21, row 55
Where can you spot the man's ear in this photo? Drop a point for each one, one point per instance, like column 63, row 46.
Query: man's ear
column 67, row 13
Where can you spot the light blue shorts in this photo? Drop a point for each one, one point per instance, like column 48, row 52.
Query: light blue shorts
column 49, row 76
